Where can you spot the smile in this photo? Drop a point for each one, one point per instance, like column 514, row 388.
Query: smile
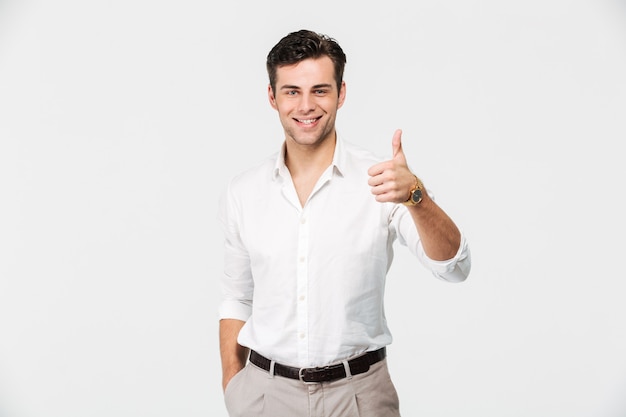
column 307, row 121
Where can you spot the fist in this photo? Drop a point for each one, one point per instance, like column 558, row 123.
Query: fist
column 391, row 180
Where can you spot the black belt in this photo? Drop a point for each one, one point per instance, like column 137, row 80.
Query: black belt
column 358, row 365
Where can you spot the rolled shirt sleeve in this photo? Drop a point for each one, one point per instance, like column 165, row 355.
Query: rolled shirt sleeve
column 453, row 270
column 237, row 282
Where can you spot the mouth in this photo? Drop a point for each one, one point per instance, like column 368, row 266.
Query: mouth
column 308, row 122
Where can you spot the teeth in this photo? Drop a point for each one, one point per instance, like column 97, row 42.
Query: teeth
column 308, row 121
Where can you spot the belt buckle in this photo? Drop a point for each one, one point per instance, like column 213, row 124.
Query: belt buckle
column 301, row 376
column 322, row 369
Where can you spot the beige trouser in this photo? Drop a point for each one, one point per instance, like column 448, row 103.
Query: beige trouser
column 254, row 393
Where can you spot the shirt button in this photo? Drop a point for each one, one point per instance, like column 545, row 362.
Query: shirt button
column 301, row 298
column 302, row 220
column 302, row 259
column 301, row 335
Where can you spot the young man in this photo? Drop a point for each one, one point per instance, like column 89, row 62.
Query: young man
column 308, row 243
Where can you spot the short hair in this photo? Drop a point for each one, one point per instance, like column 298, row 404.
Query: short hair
column 301, row 45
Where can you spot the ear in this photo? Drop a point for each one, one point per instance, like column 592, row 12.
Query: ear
column 270, row 96
column 342, row 94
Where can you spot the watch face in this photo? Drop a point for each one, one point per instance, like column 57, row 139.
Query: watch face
column 417, row 196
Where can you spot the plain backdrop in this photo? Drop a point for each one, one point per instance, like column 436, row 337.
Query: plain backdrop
column 122, row 120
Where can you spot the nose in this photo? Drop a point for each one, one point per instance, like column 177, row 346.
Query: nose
column 307, row 103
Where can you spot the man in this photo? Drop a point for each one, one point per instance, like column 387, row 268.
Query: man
column 308, row 243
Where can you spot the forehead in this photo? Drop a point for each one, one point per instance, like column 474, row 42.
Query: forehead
column 308, row 72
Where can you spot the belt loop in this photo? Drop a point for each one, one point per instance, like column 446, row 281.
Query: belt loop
column 346, row 366
column 271, row 371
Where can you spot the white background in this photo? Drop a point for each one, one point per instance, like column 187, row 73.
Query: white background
column 121, row 121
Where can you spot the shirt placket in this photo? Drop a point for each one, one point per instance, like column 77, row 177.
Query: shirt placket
column 302, row 286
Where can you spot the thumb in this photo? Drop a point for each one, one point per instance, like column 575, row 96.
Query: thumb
column 396, row 144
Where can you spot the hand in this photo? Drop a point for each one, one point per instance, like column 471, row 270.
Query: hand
column 392, row 181
column 227, row 377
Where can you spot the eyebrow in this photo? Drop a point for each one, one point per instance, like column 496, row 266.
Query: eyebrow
column 295, row 87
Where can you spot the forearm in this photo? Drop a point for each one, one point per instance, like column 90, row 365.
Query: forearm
column 439, row 235
column 232, row 353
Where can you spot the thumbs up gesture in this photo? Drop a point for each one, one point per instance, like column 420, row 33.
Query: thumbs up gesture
column 391, row 180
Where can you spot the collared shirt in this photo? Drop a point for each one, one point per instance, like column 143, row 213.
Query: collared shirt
column 309, row 281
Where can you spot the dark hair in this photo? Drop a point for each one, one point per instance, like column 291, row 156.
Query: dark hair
column 301, row 45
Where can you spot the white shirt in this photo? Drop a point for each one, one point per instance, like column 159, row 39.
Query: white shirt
column 309, row 281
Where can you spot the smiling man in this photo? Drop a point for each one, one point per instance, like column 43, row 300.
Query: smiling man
column 309, row 236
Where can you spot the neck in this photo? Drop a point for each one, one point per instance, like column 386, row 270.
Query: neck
column 309, row 159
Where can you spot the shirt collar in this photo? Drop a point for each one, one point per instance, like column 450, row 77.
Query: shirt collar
column 339, row 161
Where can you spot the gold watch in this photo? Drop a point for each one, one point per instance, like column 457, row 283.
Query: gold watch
column 416, row 193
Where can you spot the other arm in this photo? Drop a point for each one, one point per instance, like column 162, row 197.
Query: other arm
column 237, row 290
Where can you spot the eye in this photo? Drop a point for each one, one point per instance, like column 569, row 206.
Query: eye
column 320, row 92
column 292, row 92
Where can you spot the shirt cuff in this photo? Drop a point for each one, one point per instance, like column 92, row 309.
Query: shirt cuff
column 231, row 309
column 455, row 269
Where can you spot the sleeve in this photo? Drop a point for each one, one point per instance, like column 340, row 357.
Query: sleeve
column 454, row 270
column 237, row 283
